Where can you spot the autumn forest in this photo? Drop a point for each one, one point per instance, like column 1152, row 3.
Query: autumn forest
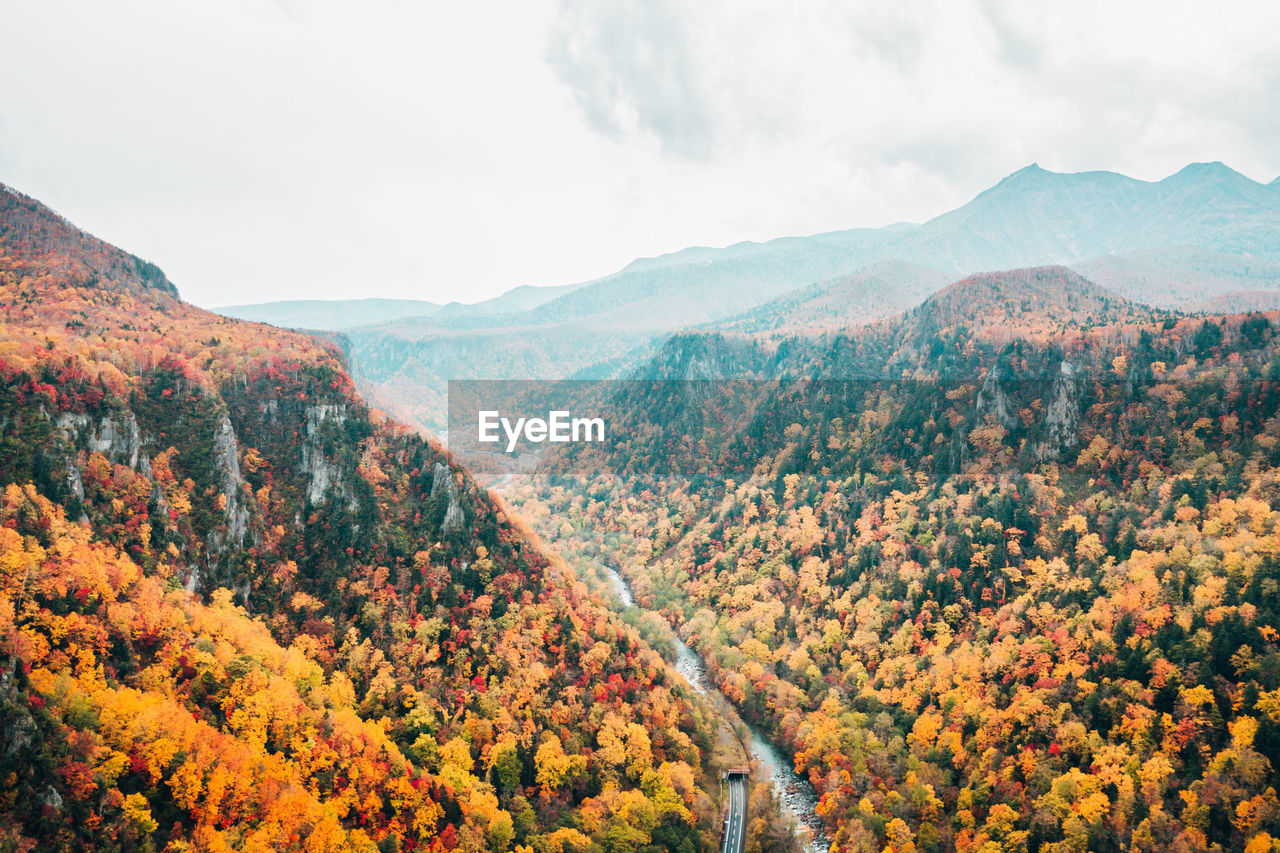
column 1000, row 572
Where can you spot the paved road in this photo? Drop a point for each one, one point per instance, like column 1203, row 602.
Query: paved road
column 735, row 833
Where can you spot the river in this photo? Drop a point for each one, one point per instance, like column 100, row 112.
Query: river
column 796, row 795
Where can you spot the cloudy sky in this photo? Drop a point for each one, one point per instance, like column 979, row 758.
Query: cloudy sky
column 274, row 149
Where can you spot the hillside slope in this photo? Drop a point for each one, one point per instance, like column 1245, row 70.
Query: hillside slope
column 871, row 294
column 238, row 609
column 1177, row 277
column 1023, row 302
column 1237, row 302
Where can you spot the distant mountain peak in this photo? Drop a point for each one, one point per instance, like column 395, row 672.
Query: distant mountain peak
column 1215, row 170
column 1207, row 166
column 1042, row 279
column 1034, row 180
column 1027, row 174
column 1026, row 298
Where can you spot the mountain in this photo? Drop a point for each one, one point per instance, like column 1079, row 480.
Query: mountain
column 870, row 294
column 38, row 242
column 406, row 366
column 1203, row 231
column 334, row 314
column 239, row 609
column 1237, row 302
column 1023, row 301
column 1180, row 276
column 342, row 314
column 518, row 299
column 1036, row 216
column 1031, row 217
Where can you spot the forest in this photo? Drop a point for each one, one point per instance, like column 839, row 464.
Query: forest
column 239, row 609
column 999, row 573
column 1005, row 578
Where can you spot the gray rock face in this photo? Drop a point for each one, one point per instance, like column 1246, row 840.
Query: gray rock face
column 324, row 478
column 52, row 799
column 115, row 437
column 444, row 485
column 1062, row 414
column 992, row 400
column 119, row 442
column 71, row 424
column 271, row 410
column 21, row 729
column 318, row 414
column 441, row 478
column 226, row 461
column 226, row 455
column 453, row 517
column 74, row 482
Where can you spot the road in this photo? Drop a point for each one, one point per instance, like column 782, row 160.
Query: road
column 735, row 825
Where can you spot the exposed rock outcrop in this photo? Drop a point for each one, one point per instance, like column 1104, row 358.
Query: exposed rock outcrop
column 1062, row 411
column 115, row 436
column 227, row 462
column 994, row 401
column 74, row 483
column 443, row 485
column 324, row 478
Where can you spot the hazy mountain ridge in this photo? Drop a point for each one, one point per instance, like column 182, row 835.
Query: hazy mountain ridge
column 1179, row 276
column 1029, row 218
column 330, row 314
column 342, row 314
column 514, row 301
column 870, row 294
column 1165, row 243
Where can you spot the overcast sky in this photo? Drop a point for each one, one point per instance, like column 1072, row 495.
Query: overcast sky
column 276, row 149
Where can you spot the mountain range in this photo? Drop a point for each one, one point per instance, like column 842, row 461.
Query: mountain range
column 1205, row 237
column 339, row 314
column 989, row 557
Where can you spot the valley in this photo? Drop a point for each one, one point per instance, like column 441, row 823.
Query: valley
column 795, row 795
column 643, row 427
column 960, row 536
column 238, row 608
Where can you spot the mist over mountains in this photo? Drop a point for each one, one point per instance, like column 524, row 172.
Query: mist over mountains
column 1204, row 236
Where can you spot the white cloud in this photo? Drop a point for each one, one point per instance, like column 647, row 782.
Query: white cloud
column 279, row 148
